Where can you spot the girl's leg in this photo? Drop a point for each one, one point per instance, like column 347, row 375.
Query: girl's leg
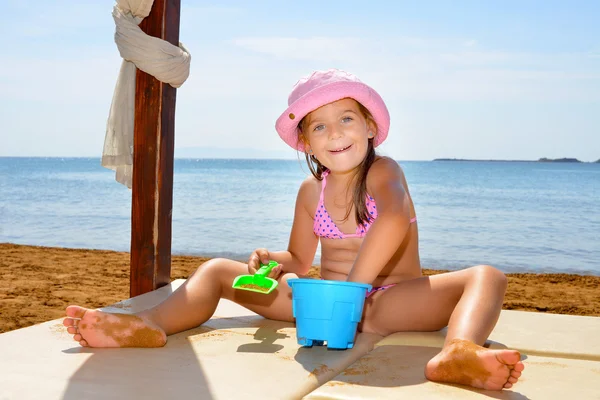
column 195, row 301
column 192, row 304
column 469, row 303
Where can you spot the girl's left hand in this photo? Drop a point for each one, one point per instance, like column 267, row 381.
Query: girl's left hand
column 276, row 272
column 259, row 256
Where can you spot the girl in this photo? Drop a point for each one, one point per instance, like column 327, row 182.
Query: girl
column 359, row 206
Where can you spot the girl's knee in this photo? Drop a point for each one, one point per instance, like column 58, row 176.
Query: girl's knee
column 219, row 271
column 214, row 263
column 490, row 275
column 213, row 266
column 283, row 279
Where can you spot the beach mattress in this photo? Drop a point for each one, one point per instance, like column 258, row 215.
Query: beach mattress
column 236, row 354
column 556, row 335
column 561, row 354
column 396, row 372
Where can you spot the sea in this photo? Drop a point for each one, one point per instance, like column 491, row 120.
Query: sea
column 517, row 216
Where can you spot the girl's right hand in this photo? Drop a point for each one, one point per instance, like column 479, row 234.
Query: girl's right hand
column 259, row 256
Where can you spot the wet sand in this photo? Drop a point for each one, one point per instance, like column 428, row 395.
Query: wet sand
column 37, row 283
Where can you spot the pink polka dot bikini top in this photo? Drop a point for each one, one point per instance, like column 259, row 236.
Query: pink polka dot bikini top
column 325, row 227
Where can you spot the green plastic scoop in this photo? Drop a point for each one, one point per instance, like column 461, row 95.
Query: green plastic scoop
column 258, row 282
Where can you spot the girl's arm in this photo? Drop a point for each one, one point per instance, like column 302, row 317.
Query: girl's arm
column 389, row 228
column 303, row 242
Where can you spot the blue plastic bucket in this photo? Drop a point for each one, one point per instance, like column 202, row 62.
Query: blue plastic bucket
column 327, row 311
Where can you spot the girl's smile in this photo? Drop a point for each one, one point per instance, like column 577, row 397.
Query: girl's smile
column 340, row 150
column 338, row 134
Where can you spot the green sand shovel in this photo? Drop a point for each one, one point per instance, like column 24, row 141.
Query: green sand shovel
column 258, row 282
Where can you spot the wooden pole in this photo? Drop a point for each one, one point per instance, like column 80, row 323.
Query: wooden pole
column 153, row 152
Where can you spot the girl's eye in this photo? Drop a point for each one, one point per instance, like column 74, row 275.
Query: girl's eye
column 319, row 127
column 347, row 119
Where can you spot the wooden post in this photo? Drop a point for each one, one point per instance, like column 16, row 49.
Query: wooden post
column 153, row 152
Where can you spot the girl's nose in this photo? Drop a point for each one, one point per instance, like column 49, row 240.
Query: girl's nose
column 335, row 132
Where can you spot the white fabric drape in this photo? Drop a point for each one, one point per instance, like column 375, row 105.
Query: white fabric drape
column 167, row 63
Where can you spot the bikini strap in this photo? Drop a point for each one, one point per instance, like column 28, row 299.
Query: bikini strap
column 323, row 184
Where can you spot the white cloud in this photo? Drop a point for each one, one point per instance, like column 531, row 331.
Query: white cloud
column 449, row 73
column 194, row 12
column 324, row 49
column 44, row 19
column 59, row 81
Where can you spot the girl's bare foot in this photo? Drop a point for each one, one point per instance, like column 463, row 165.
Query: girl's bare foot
column 93, row 328
column 466, row 363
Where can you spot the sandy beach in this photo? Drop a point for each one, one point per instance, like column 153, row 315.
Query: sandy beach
column 37, row 283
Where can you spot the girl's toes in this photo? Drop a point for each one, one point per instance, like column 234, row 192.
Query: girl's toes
column 515, row 374
column 519, row 367
column 75, row 312
column 83, row 343
column 77, row 337
column 72, row 330
column 512, row 380
column 68, row 322
column 507, row 385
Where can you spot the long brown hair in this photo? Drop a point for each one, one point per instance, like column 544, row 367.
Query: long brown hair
column 360, row 189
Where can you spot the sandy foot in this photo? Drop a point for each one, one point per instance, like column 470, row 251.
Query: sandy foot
column 466, row 363
column 93, row 328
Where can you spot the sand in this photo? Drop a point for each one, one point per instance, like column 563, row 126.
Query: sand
column 37, row 283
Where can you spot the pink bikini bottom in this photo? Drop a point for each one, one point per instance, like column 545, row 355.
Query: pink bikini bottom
column 377, row 289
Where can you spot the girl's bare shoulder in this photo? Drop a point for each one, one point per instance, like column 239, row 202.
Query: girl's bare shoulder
column 310, row 185
column 385, row 168
column 309, row 192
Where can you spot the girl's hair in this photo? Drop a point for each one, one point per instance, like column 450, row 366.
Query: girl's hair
column 360, row 190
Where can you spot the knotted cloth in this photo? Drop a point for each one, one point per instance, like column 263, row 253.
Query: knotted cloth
column 159, row 58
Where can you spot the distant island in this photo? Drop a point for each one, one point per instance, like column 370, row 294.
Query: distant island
column 569, row 160
column 543, row 159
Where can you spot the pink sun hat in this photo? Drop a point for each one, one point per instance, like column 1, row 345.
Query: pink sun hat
column 324, row 87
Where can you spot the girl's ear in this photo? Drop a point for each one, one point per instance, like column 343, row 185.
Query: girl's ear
column 306, row 143
column 372, row 128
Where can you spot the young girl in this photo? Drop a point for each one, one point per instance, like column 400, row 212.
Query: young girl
column 359, row 206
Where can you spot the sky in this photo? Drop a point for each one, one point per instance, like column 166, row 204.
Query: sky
column 515, row 80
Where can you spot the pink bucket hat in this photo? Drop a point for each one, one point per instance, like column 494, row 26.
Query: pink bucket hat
column 324, row 87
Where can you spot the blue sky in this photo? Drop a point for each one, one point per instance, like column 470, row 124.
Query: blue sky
column 465, row 79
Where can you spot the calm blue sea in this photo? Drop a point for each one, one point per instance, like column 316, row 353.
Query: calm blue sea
column 517, row 216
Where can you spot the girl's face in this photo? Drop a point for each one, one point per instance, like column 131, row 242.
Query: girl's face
column 338, row 135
